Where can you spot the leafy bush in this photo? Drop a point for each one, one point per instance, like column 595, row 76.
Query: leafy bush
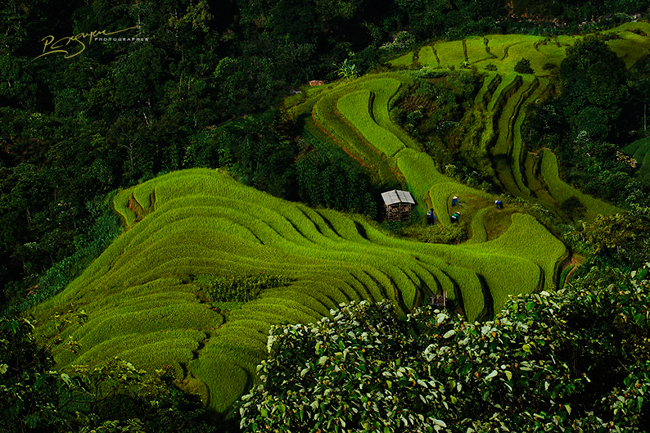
column 523, row 67
column 576, row 359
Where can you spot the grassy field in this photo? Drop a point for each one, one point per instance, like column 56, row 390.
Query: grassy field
column 355, row 108
column 450, row 53
column 405, row 60
column 562, row 191
column 427, row 57
column 143, row 299
column 142, row 303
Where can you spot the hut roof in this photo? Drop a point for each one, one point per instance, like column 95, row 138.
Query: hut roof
column 397, row 196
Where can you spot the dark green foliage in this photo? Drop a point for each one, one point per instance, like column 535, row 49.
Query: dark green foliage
column 433, row 107
column 592, row 76
column 576, row 359
column 576, row 11
column 621, row 240
column 591, row 120
column 333, row 180
column 573, row 207
column 88, row 247
column 27, row 389
column 112, row 397
column 255, row 151
column 523, row 67
column 238, row 289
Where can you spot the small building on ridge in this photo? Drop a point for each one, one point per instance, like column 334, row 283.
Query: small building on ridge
column 398, row 204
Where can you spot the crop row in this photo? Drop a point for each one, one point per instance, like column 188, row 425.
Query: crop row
column 355, row 108
column 203, row 222
column 517, row 145
column 325, row 116
column 561, row 191
column 502, row 52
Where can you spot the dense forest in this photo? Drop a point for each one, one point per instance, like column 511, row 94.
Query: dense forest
column 200, row 84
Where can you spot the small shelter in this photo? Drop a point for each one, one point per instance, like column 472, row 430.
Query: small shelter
column 398, row 204
column 439, row 300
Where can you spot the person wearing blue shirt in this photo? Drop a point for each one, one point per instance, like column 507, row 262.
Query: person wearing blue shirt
column 431, row 217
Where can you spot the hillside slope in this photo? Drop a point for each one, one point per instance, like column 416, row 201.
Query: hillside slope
column 143, row 303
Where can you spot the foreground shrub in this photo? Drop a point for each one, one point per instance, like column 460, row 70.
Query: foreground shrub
column 112, row 397
column 572, row 360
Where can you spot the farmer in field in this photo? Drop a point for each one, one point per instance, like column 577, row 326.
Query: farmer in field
column 454, row 201
column 499, row 204
column 431, row 217
column 455, row 217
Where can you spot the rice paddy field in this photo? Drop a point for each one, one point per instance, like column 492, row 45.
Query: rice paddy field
column 143, row 299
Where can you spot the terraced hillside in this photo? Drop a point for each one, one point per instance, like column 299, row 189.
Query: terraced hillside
column 356, row 115
column 501, row 105
column 144, row 299
column 143, row 302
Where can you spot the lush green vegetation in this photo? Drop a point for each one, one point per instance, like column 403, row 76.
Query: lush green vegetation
column 640, row 151
column 574, row 359
column 171, row 289
column 113, row 396
column 532, row 104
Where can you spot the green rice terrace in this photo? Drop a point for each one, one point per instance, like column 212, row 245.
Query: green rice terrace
column 206, row 265
column 145, row 298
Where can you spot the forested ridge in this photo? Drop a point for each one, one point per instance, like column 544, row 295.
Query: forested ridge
column 203, row 84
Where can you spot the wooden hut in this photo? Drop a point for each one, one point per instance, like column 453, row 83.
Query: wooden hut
column 398, row 204
column 439, row 300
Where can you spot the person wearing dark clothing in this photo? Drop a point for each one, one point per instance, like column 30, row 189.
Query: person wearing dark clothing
column 431, row 217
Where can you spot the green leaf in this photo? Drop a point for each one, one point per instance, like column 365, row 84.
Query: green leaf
column 32, row 420
column 449, row 334
column 12, row 325
column 439, row 422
